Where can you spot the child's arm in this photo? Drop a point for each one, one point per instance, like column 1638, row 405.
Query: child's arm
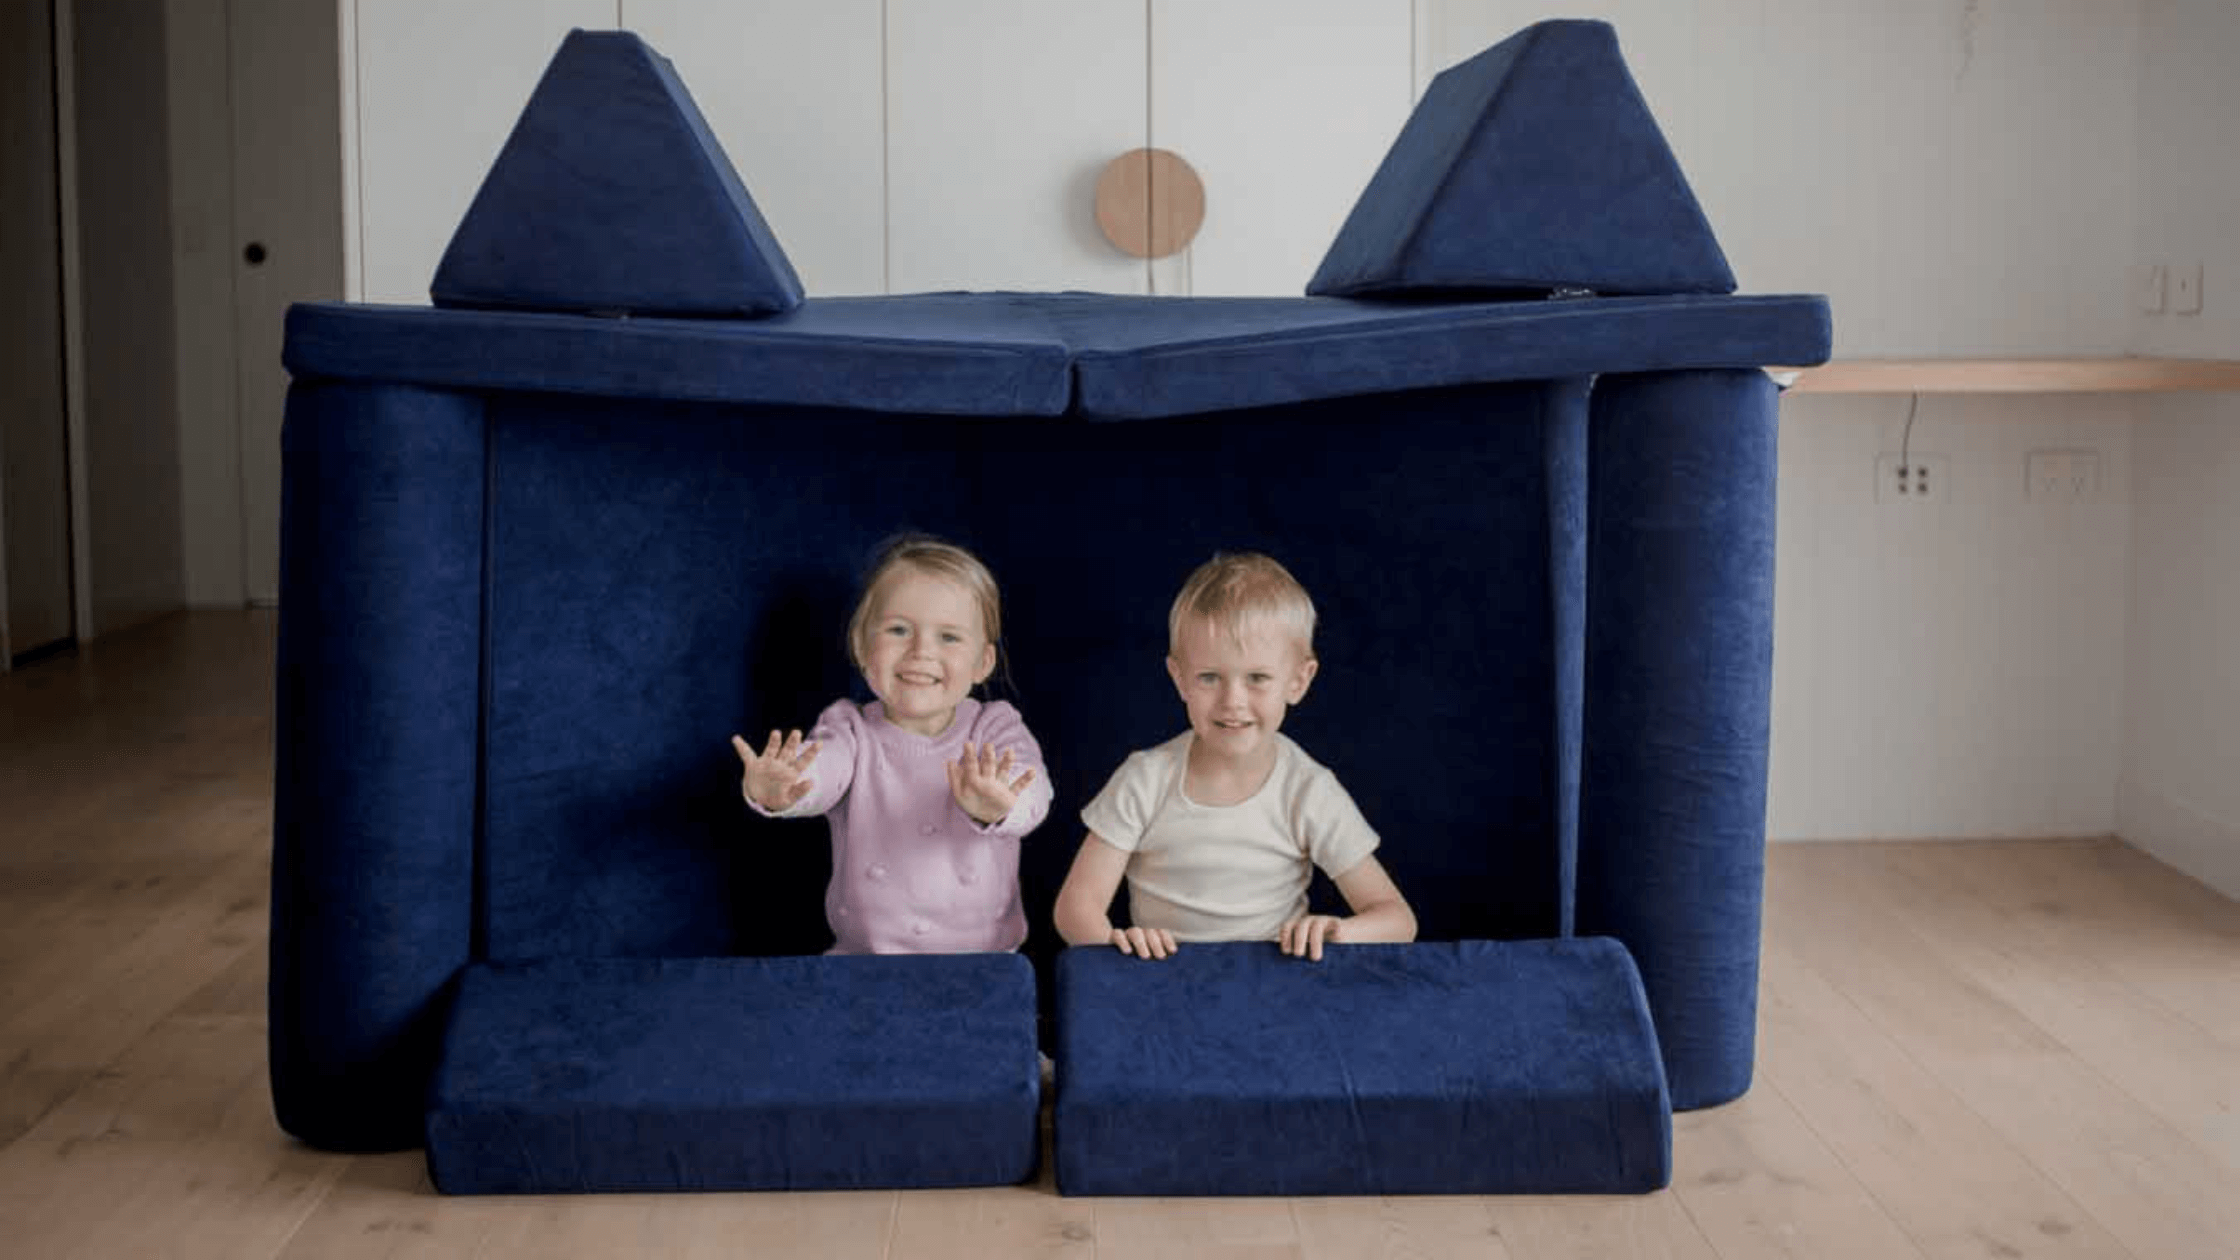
column 1085, row 903
column 1380, row 913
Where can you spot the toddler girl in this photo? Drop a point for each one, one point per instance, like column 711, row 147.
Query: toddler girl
column 928, row 791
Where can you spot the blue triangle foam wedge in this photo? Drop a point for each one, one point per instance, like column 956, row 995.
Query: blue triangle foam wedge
column 1531, row 168
column 612, row 196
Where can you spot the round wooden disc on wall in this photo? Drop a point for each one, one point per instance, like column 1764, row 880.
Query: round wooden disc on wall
column 1150, row 203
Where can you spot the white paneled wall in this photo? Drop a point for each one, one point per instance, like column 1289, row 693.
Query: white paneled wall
column 1000, row 115
column 2179, row 796
column 1284, row 121
column 1958, row 176
column 795, row 93
column 913, row 145
column 1953, row 669
column 439, row 83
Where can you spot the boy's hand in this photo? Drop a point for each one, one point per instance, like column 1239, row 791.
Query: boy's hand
column 779, row 778
column 1143, row 942
column 1304, row 936
column 983, row 785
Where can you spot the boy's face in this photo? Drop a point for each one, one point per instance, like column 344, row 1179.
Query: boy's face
column 923, row 650
column 1238, row 687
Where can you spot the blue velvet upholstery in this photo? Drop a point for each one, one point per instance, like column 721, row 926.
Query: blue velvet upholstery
column 379, row 700
column 1532, row 167
column 737, row 1074
column 1672, row 853
column 1003, row 354
column 1473, row 1067
column 612, row 195
column 539, row 565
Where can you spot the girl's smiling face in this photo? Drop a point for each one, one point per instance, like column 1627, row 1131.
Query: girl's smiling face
column 924, row 648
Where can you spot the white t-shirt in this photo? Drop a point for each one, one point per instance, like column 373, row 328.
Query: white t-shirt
column 1226, row 872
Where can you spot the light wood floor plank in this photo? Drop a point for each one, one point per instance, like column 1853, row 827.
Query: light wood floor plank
column 1957, row 1187
column 1195, row 1229
column 2152, row 1188
column 1759, row 1183
column 2055, row 971
column 1410, row 1228
column 1600, row 1227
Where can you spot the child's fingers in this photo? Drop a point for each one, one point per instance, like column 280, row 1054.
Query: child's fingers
column 746, row 754
column 1020, row 784
column 796, row 792
column 807, row 754
column 1120, row 941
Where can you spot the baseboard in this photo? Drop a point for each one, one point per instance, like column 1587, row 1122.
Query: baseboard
column 2177, row 834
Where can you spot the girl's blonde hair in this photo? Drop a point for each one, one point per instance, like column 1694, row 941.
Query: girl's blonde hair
column 936, row 559
column 1235, row 589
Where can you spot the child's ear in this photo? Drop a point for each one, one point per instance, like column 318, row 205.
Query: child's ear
column 1302, row 679
column 1174, row 673
column 987, row 664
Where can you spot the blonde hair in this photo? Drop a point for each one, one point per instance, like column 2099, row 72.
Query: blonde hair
column 932, row 558
column 1236, row 589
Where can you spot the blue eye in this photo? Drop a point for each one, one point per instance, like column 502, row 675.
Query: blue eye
column 898, row 630
column 952, row 638
column 1262, row 680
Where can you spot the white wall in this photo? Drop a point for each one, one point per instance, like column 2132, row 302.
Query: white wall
column 913, row 145
column 1958, row 176
column 131, row 437
column 202, row 252
column 2179, row 796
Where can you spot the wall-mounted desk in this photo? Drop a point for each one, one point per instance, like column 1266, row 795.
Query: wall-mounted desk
column 2112, row 375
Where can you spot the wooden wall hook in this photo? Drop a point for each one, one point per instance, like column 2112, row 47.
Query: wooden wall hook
column 1150, row 203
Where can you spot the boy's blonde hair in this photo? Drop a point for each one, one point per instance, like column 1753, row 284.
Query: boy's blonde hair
column 932, row 558
column 1235, row 589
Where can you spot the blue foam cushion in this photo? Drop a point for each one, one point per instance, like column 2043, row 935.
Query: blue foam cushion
column 1474, row 1067
column 737, row 1074
column 611, row 194
column 1533, row 166
column 1004, row 354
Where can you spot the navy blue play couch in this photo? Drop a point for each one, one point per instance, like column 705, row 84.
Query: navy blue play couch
column 546, row 546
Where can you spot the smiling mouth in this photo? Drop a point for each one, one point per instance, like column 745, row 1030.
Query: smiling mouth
column 1233, row 726
column 919, row 680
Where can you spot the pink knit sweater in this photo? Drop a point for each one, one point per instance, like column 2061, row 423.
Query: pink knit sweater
column 912, row 873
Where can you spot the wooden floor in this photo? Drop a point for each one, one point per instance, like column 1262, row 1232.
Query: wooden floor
column 1966, row 1050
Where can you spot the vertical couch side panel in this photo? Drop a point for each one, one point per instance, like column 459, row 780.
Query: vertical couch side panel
column 1566, row 423
column 1679, row 676
column 377, row 738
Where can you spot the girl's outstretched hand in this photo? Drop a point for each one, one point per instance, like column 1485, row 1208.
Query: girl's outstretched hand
column 983, row 785
column 779, row 778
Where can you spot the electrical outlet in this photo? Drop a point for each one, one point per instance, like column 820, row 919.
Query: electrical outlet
column 1914, row 478
column 2185, row 289
column 2147, row 285
column 2063, row 476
